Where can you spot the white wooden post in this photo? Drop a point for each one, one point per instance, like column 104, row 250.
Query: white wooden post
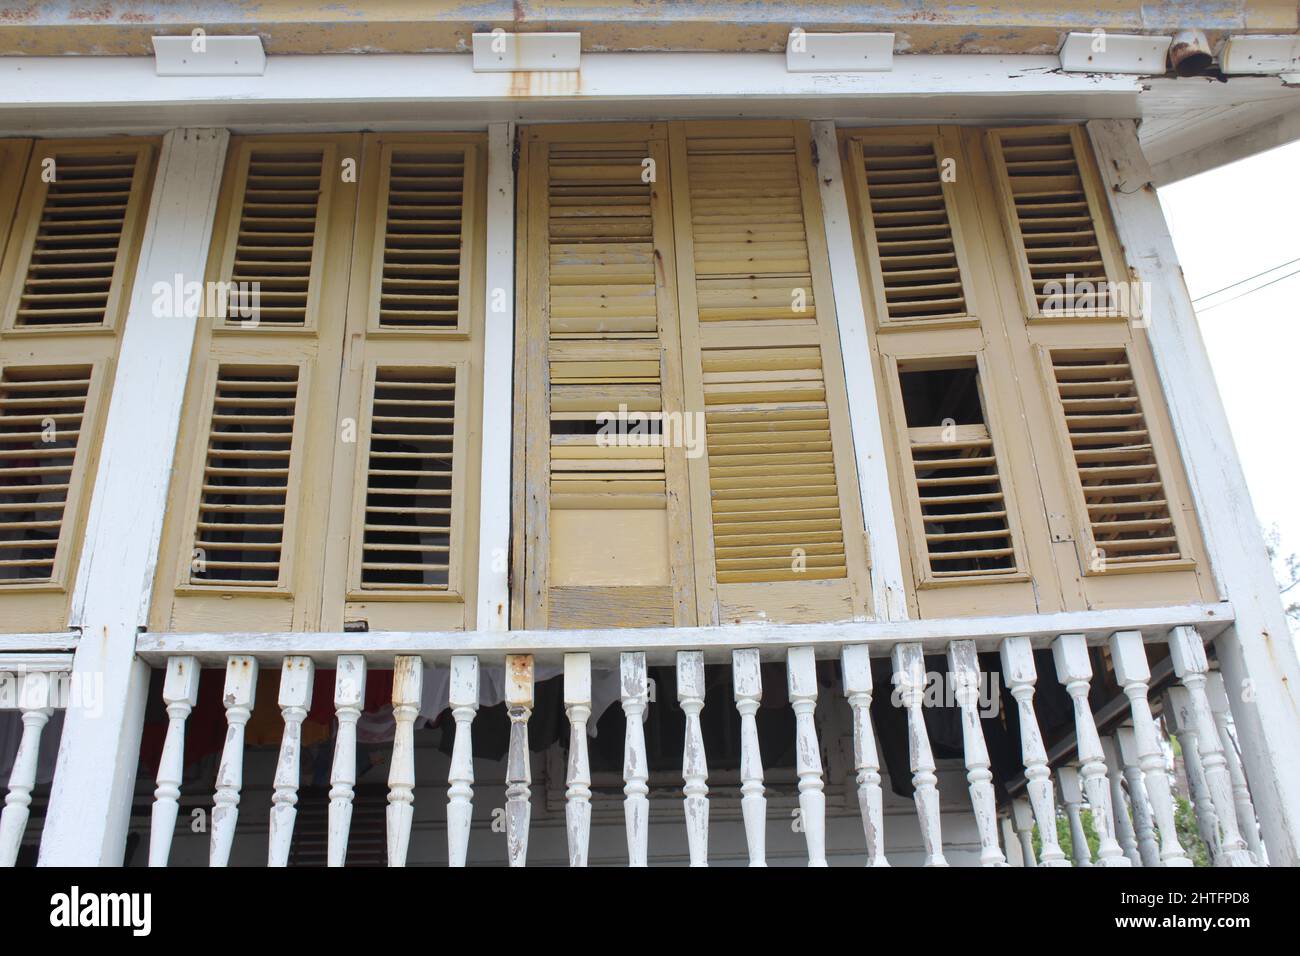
column 297, row 675
column 964, row 671
column 865, row 418
column 498, row 384
column 1139, row 799
column 695, row 768
column 1245, row 809
column 1067, row 778
column 1124, row 832
column 636, row 804
column 1257, row 648
column 1010, row 842
column 35, row 695
column 1177, row 713
column 747, row 686
column 1022, row 820
column 910, row 679
column 462, row 695
column 1133, row 674
column 349, row 697
column 855, row 665
column 94, row 780
column 239, row 694
column 519, row 771
column 408, row 680
column 180, row 693
column 577, row 798
column 1074, row 670
column 801, row 678
column 1020, row 674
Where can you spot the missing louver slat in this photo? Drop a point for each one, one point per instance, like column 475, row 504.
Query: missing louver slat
column 1127, row 509
column 239, row 537
column 41, row 415
column 406, row 540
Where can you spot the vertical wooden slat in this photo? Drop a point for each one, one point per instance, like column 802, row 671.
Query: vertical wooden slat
column 801, row 675
column 1139, row 801
column 408, row 678
column 1019, row 673
column 1067, row 778
column 519, row 775
column 964, row 671
column 1133, row 673
column 747, row 684
column 636, row 805
column 695, row 769
column 349, row 696
column 577, row 798
column 463, row 697
column 855, row 665
column 239, row 695
column 1124, row 832
column 1074, row 670
column 180, row 693
column 910, row 679
column 1245, row 808
column 34, row 699
column 296, row 678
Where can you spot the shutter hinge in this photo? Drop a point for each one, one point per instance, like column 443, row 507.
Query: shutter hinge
column 514, row 152
column 816, row 159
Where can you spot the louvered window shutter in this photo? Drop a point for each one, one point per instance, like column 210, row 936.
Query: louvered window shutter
column 244, row 548
column 403, row 518
column 73, row 235
column 774, row 491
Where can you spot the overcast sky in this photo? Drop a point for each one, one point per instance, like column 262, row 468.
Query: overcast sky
column 1229, row 224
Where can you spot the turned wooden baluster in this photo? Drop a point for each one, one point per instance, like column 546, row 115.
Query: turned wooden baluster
column 1247, row 823
column 1074, row 670
column 635, row 695
column 1188, row 655
column 1010, row 843
column 1133, row 674
column 408, row 680
column 36, row 692
column 747, row 682
column 1067, row 778
column 964, row 670
column 1139, row 800
column 577, row 798
column 1022, row 819
column 801, row 679
column 180, row 693
column 695, row 767
column 462, row 695
column 910, row 680
column 1020, row 674
column 296, row 677
column 1177, row 714
column 519, row 772
column 239, row 695
column 1124, row 832
column 349, row 696
column 855, row 664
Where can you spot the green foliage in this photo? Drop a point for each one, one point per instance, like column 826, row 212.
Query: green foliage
column 1066, row 840
column 1189, row 835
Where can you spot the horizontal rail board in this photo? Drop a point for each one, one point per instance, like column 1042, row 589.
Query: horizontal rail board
column 31, row 643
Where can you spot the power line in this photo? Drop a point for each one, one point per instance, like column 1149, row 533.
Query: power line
column 1249, row 291
column 1247, row 279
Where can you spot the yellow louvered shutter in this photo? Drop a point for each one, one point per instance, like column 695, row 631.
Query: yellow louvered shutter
column 775, row 504
column 68, row 266
column 246, row 520
column 403, row 536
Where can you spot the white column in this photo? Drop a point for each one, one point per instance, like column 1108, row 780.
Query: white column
column 964, row 672
column 910, row 679
column 855, row 665
column 1139, row 800
column 180, row 693
column 519, row 770
column 239, row 695
column 1124, row 832
column 577, row 798
column 865, row 418
column 1020, row 674
column 1067, row 778
column 1177, row 714
column 498, row 384
column 90, row 801
column 408, row 680
column 635, row 694
column 1246, row 821
column 801, row 676
column 349, row 698
column 297, row 675
column 1257, row 648
column 35, row 695
column 747, row 685
column 462, row 696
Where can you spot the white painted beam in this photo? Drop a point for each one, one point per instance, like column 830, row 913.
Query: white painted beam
column 498, row 385
column 94, row 780
column 1258, row 649
column 889, row 595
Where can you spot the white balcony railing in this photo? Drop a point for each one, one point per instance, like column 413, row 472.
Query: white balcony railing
column 34, row 686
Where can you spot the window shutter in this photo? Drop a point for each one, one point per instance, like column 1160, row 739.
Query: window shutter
column 775, row 490
column 71, row 225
